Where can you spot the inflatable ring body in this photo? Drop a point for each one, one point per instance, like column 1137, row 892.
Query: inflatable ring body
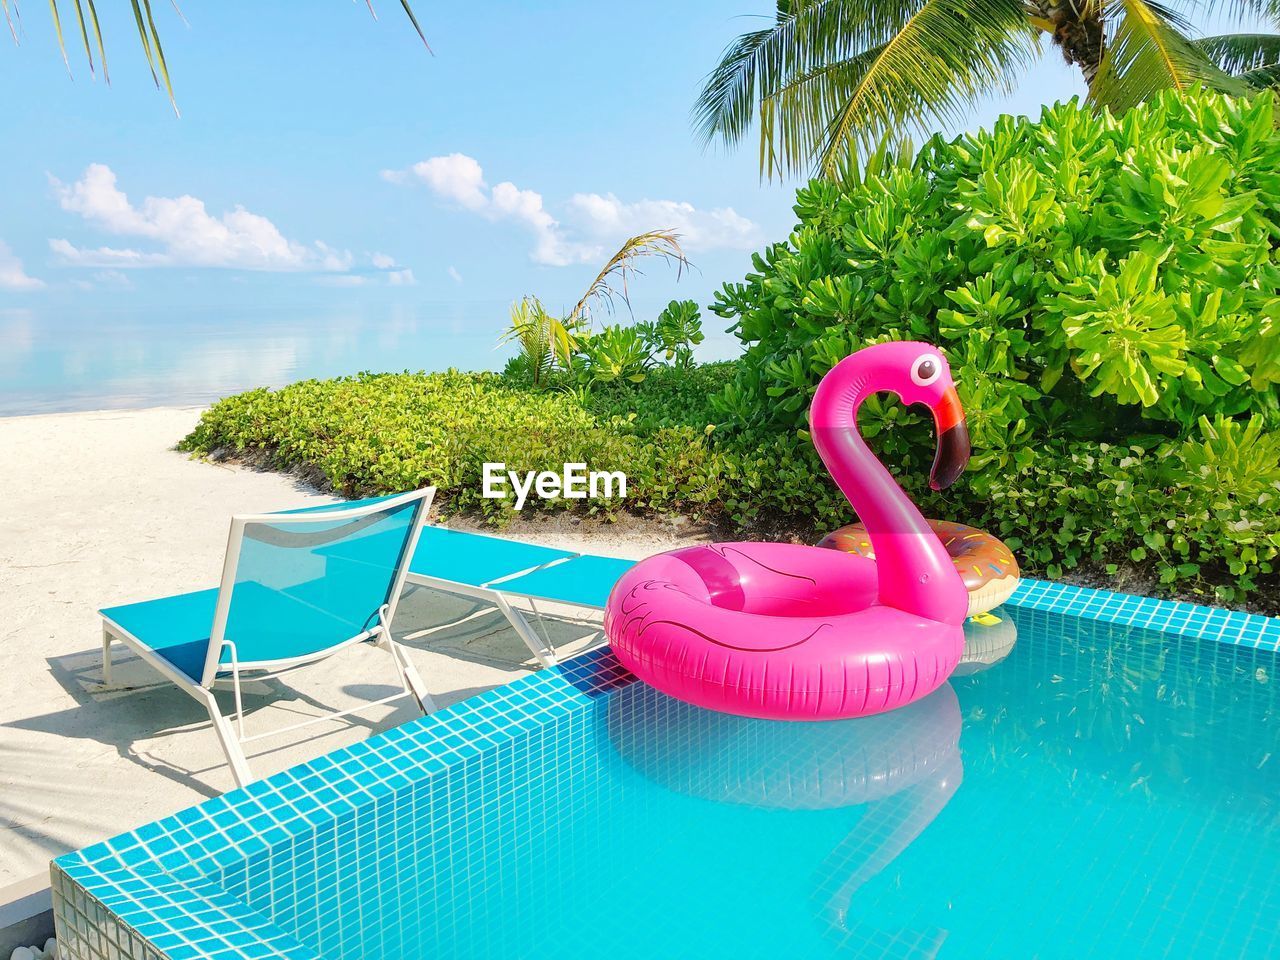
column 987, row 567
column 775, row 630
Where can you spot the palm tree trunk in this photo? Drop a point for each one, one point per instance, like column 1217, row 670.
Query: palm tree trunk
column 1078, row 33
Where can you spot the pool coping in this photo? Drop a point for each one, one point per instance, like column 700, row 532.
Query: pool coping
column 150, row 894
column 1150, row 613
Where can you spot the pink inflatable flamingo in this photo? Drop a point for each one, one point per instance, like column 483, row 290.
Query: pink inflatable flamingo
column 783, row 631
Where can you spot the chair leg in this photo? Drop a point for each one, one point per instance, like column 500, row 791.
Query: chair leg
column 106, row 656
column 230, row 742
column 545, row 654
column 541, row 625
column 409, row 677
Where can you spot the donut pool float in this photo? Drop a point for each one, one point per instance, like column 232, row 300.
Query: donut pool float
column 793, row 632
column 988, row 568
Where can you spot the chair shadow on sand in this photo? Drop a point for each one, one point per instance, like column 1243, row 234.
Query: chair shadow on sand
column 142, row 716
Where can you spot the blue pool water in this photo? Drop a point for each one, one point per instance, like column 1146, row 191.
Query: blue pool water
column 1101, row 791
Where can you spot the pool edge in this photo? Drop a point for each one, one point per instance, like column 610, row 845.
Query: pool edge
column 160, row 853
column 1149, row 613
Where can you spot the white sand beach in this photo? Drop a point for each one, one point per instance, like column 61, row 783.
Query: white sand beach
column 98, row 509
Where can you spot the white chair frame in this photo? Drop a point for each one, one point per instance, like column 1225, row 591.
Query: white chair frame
column 539, row 645
column 232, row 737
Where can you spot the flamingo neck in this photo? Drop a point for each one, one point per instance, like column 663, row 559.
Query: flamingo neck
column 913, row 571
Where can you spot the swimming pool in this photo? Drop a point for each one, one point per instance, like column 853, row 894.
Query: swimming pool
column 1104, row 789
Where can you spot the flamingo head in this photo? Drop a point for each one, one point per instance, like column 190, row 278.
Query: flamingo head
column 918, row 373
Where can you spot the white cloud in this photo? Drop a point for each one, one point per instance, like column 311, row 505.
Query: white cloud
column 457, row 177
column 183, row 231
column 104, row 280
column 460, row 179
column 592, row 224
column 12, row 274
column 401, row 278
column 454, row 274
column 722, row 227
column 112, row 278
column 104, row 256
column 383, row 261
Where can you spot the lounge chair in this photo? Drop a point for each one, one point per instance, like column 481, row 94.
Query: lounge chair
column 497, row 570
column 296, row 587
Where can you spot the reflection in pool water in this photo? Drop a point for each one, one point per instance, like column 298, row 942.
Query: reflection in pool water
column 903, row 766
column 986, row 643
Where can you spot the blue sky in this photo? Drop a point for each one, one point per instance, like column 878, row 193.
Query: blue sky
column 324, row 158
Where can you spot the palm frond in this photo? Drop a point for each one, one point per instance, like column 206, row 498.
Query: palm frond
column 1262, row 78
column 1238, row 53
column 611, row 283
column 829, row 73
column 806, row 37
column 1172, row 16
column 57, row 29
column 725, row 107
column 90, row 30
column 544, row 340
column 950, row 54
column 416, row 26
column 9, row 18
column 97, row 33
column 1146, row 54
column 84, row 35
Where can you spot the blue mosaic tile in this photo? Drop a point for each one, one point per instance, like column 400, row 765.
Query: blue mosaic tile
column 1166, row 616
column 244, row 875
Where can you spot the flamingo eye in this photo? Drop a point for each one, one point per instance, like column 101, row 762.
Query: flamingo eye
column 926, row 370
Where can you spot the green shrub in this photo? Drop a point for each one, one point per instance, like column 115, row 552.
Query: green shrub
column 1099, row 284
column 677, row 331
column 377, row 433
column 1087, row 275
column 616, row 353
column 1204, row 507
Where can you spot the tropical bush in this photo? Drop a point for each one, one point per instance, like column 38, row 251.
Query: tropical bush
column 554, row 353
column 1199, row 511
column 550, row 345
column 677, row 331
column 1088, row 276
column 1107, row 291
column 378, row 433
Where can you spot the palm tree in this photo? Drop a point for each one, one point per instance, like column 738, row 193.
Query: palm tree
column 548, row 342
column 89, row 31
column 611, row 283
column 832, row 78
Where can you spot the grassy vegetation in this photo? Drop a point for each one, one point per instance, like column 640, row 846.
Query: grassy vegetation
column 375, row 433
column 1098, row 509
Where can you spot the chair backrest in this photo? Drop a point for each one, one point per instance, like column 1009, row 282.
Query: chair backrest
column 297, row 585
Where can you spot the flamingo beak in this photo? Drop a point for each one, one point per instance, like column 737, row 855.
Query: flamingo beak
column 953, row 441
